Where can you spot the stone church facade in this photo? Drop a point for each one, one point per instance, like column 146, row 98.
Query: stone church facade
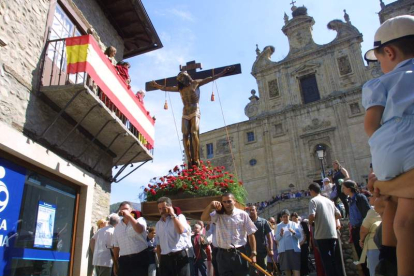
column 312, row 97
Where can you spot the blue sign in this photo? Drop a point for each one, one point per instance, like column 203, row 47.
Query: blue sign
column 12, row 178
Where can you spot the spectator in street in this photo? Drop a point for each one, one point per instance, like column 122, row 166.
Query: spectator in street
column 340, row 173
column 272, row 260
column 130, row 243
column 172, row 231
column 263, row 237
column 366, row 238
column 358, row 209
column 327, row 187
column 140, row 95
column 303, row 242
column 110, row 52
column 233, row 229
column 152, row 249
column 200, row 244
column 288, row 236
column 323, row 213
column 101, row 245
column 123, row 70
column 211, row 235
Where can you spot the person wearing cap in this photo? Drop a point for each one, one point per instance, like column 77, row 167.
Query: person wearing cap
column 233, row 229
column 173, row 234
column 130, row 243
column 358, row 209
column 327, row 187
column 389, row 122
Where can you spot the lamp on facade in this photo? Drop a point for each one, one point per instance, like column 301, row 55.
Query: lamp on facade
column 320, row 151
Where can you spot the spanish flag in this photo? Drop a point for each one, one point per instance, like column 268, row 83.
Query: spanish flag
column 84, row 55
column 77, row 49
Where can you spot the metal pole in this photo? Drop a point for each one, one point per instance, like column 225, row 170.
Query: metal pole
column 323, row 169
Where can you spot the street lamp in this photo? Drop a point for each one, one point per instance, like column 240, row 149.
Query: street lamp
column 320, row 151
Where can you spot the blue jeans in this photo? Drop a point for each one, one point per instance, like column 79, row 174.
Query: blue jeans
column 327, row 250
column 200, row 265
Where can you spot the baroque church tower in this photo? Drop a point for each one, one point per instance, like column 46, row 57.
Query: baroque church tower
column 310, row 99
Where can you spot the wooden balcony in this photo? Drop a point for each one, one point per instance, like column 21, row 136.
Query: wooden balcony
column 79, row 79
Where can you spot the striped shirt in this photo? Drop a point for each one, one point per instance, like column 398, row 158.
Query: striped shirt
column 128, row 240
column 232, row 229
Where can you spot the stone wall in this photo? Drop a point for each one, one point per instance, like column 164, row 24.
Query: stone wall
column 298, row 205
column 22, row 36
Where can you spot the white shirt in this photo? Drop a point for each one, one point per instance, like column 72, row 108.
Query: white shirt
column 128, row 240
column 103, row 243
column 232, row 229
column 168, row 239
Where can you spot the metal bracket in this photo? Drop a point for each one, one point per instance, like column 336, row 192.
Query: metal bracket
column 61, row 112
column 83, row 118
column 107, row 148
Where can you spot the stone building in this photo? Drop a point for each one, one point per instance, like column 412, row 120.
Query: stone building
column 396, row 8
column 310, row 98
column 66, row 119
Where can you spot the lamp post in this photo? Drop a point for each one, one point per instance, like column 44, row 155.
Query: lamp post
column 320, row 151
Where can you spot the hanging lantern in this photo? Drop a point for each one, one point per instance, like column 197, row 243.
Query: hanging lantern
column 166, row 105
column 212, row 96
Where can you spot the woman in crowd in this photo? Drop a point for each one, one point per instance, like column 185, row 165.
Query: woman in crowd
column 152, row 248
column 288, row 236
column 340, row 173
column 359, row 207
column 272, row 261
column 110, row 52
column 366, row 238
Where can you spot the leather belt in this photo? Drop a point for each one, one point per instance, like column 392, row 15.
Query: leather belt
column 230, row 249
column 175, row 253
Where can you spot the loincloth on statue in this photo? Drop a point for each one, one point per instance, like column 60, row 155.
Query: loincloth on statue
column 192, row 115
column 401, row 186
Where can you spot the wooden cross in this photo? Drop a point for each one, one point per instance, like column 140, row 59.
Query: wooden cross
column 191, row 67
column 293, row 3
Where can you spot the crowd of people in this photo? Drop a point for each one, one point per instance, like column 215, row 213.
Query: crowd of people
column 280, row 197
column 240, row 243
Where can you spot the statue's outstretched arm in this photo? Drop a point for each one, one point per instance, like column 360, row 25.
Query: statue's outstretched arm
column 165, row 88
column 210, row 79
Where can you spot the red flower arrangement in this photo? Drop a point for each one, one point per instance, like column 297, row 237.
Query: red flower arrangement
column 205, row 180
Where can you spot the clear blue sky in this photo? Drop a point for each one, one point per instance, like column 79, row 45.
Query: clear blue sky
column 218, row 33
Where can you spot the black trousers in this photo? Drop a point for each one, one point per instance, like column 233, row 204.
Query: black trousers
column 304, row 254
column 327, row 250
column 174, row 264
column 232, row 264
column 214, row 261
column 134, row 264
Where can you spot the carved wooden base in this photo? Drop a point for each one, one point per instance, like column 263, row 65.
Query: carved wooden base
column 190, row 207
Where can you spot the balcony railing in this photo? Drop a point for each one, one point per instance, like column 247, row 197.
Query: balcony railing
column 76, row 64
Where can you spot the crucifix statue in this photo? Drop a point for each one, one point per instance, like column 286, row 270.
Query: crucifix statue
column 187, row 83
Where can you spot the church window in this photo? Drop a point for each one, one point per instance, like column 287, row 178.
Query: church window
column 210, row 151
column 273, row 88
column 344, row 65
column 279, row 129
column 309, row 87
column 355, row 109
column 250, row 136
column 252, row 162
